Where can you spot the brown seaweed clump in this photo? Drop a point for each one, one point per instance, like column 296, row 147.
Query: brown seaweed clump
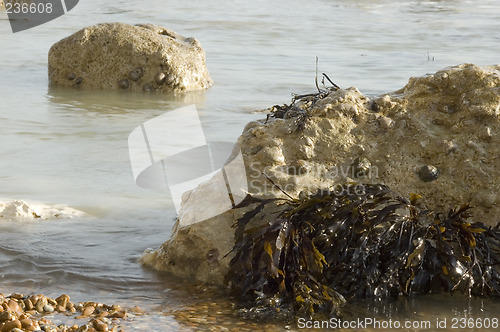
column 358, row 242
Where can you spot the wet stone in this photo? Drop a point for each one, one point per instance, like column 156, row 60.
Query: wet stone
column 48, row 308
column 428, row 173
column 160, row 78
column 5, row 316
column 11, row 325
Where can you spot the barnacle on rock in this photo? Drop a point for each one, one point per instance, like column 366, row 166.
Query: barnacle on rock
column 357, row 242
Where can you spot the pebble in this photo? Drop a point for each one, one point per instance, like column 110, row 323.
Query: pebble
column 160, row 78
column 17, row 314
column 13, row 324
column 48, row 308
column 63, row 300
column 99, row 326
column 119, row 314
column 28, row 305
column 27, row 324
column 14, row 306
column 5, row 316
column 428, row 173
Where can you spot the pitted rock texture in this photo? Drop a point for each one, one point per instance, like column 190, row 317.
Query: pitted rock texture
column 437, row 137
column 142, row 57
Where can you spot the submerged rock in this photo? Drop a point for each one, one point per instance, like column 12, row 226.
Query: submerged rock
column 447, row 122
column 123, row 56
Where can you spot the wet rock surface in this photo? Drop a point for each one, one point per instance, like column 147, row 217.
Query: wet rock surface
column 436, row 137
column 142, row 57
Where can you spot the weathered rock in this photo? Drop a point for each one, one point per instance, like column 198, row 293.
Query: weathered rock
column 437, row 137
column 122, row 56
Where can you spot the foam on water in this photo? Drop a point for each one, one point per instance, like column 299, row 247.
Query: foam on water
column 22, row 211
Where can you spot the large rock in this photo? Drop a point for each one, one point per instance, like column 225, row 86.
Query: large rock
column 121, row 56
column 437, row 137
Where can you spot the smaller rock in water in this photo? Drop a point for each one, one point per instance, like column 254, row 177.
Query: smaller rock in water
column 145, row 54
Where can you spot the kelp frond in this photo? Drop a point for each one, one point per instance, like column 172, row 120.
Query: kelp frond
column 318, row 251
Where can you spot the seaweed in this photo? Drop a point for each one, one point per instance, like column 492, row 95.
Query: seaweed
column 357, row 242
column 300, row 115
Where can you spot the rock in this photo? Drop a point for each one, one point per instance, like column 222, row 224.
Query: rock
column 48, row 308
column 99, row 326
column 435, row 137
column 428, row 173
column 88, row 311
column 14, row 324
column 14, row 306
column 62, row 300
column 122, row 56
column 27, row 324
column 5, row 316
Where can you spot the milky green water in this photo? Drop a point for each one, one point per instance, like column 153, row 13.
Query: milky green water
column 70, row 146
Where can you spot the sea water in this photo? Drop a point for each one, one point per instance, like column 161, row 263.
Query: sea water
column 65, row 146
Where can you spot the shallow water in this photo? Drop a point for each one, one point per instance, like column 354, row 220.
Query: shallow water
column 70, row 146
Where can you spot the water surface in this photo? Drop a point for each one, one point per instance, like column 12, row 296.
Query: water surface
column 70, row 146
